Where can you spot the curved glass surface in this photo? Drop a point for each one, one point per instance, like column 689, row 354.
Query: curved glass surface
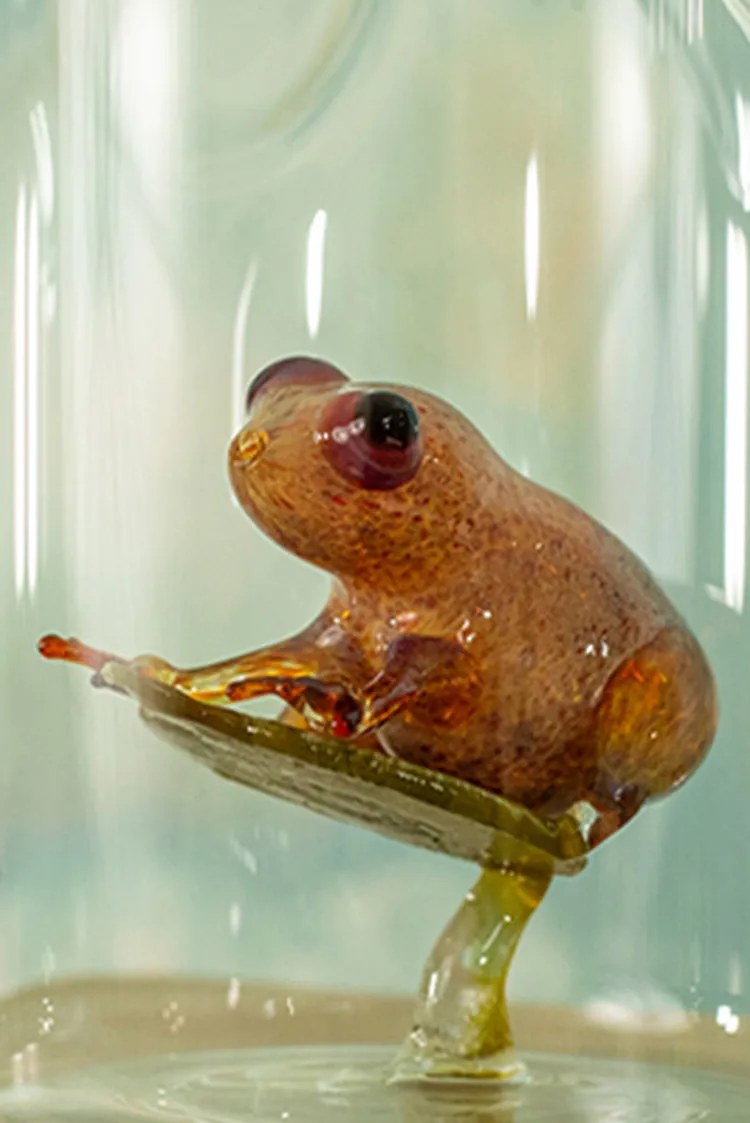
column 538, row 211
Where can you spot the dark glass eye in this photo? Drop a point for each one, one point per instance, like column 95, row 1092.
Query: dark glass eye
column 389, row 420
column 372, row 439
column 297, row 369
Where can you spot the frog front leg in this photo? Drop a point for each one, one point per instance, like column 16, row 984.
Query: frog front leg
column 316, row 672
column 433, row 680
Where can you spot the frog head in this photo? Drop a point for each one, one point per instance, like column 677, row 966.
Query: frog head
column 366, row 480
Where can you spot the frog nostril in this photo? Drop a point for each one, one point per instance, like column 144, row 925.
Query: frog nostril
column 250, row 446
column 293, row 371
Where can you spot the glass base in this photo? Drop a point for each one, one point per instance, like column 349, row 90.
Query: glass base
column 351, row 1083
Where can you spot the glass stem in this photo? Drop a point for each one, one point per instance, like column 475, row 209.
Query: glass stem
column 461, row 1027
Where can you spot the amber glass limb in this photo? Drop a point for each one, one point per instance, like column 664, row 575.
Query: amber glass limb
column 75, row 651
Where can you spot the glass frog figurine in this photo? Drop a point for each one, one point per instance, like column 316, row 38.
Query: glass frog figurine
column 478, row 624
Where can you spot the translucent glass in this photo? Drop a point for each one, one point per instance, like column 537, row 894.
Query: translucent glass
column 538, row 211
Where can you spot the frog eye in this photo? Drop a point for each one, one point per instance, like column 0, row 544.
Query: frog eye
column 292, row 371
column 372, row 439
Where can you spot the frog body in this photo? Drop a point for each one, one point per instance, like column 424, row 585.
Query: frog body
column 478, row 624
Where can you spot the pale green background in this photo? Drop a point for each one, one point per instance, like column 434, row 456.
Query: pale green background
column 162, row 163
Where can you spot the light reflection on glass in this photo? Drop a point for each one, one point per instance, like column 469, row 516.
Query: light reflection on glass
column 19, row 397
column 233, row 993
column 735, row 425
column 316, row 237
column 147, row 66
column 727, row 1019
column 702, row 259
column 45, row 176
column 24, row 1065
column 531, row 225
column 735, row 974
column 742, row 109
column 625, row 128
column 32, row 401
column 694, row 14
column 26, row 395
column 239, row 377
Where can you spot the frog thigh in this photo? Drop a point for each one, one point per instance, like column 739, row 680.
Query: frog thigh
column 654, row 723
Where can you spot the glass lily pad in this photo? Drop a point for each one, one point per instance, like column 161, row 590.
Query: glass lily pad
column 355, row 785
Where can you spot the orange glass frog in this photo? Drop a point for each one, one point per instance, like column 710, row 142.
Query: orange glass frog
column 478, row 624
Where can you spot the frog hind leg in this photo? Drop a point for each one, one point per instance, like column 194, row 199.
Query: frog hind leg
column 653, row 725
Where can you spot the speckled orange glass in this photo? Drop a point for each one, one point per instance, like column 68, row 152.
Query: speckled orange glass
column 478, row 624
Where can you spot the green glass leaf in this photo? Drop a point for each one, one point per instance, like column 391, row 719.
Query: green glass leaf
column 402, row 801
